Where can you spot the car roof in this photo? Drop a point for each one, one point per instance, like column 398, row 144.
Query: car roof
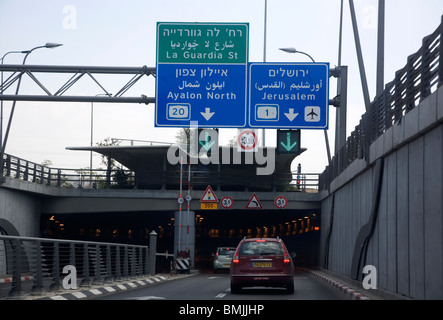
column 265, row 239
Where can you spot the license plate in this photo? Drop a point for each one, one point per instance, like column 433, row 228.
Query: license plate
column 227, row 265
column 262, row 264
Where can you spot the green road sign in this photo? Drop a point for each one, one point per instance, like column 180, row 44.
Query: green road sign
column 202, row 42
column 288, row 141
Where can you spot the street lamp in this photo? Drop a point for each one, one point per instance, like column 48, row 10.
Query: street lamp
column 49, row 45
column 293, row 50
column 1, row 102
column 92, row 136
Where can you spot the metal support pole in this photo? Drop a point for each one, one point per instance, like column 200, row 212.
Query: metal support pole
column 147, row 261
column 17, row 272
column 340, row 122
column 152, row 252
column 86, row 279
column 361, row 65
column 118, row 273
column 37, row 288
column 108, row 278
column 133, row 273
column 264, row 60
column 55, row 268
column 97, row 272
column 126, row 263
column 380, row 47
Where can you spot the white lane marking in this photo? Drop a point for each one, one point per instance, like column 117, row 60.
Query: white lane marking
column 146, row 298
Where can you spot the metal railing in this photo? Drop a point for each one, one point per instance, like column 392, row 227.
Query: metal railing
column 421, row 76
column 44, row 260
column 25, row 170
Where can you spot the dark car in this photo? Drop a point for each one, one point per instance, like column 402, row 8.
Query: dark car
column 261, row 262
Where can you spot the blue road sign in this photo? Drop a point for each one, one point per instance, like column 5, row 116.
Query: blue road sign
column 288, row 95
column 212, row 94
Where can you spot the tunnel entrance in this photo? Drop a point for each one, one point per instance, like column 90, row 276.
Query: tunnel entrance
column 299, row 229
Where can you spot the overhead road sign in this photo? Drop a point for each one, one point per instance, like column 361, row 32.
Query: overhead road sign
column 212, row 95
column 201, row 74
column 288, row 95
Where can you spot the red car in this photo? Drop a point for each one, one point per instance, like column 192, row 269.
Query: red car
column 262, row 262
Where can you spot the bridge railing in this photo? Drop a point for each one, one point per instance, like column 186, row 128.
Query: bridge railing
column 46, row 262
column 25, row 170
column 420, row 77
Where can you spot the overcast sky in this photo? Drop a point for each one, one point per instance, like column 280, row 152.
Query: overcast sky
column 123, row 33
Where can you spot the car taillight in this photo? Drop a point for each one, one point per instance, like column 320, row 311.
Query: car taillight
column 286, row 258
column 235, row 259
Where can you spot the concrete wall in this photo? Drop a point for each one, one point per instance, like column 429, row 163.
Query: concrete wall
column 21, row 210
column 407, row 243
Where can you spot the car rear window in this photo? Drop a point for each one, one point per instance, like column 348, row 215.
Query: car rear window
column 226, row 252
column 261, row 248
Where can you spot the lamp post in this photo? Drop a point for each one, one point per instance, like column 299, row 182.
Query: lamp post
column 1, row 102
column 293, row 50
column 3, row 142
column 92, row 135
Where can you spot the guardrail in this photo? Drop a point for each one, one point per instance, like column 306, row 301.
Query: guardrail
column 421, row 76
column 25, row 170
column 46, row 261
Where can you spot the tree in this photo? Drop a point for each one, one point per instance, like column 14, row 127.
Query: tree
column 185, row 138
column 122, row 179
column 107, row 142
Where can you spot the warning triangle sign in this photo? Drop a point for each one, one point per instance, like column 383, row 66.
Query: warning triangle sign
column 254, row 203
column 209, row 196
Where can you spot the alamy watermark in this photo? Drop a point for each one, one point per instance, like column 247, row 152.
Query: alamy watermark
column 202, row 148
column 70, row 17
column 69, row 281
column 370, row 279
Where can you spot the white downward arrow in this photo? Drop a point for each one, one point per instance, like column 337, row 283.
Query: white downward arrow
column 291, row 115
column 207, row 114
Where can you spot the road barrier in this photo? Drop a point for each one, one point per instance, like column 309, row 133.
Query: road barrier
column 45, row 261
column 421, row 76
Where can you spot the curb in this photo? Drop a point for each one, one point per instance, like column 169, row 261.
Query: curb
column 98, row 290
column 354, row 294
column 94, row 292
column 9, row 279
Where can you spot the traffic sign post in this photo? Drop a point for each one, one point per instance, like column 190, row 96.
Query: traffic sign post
column 226, row 202
column 201, row 74
column 280, row 202
column 247, row 140
column 288, row 95
column 213, row 95
column 288, row 141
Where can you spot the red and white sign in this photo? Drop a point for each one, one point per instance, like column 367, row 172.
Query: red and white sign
column 281, row 202
column 254, row 203
column 209, row 196
column 226, row 202
column 247, row 140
